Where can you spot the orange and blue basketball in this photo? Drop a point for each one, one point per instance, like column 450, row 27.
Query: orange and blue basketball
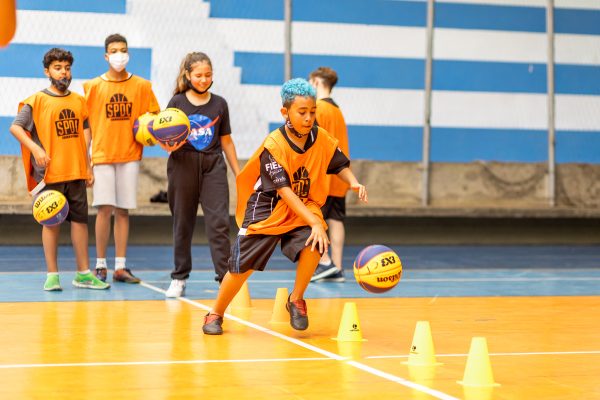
column 377, row 268
column 170, row 128
column 50, row 208
column 141, row 131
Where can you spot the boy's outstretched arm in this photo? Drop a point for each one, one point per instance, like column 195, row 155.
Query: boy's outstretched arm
column 39, row 154
column 318, row 237
column 347, row 176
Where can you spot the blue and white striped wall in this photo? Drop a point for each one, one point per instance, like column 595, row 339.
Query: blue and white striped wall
column 489, row 71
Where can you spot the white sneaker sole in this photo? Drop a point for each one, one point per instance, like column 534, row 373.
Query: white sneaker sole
column 84, row 286
column 325, row 273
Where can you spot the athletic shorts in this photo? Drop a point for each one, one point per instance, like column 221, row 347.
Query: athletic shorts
column 254, row 251
column 116, row 185
column 76, row 194
column 334, row 208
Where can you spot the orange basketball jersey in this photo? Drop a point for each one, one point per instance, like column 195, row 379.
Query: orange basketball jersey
column 330, row 118
column 114, row 106
column 59, row 124
column 307, row 172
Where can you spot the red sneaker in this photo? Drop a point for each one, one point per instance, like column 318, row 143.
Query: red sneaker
column 212, row 324
column 298, row 314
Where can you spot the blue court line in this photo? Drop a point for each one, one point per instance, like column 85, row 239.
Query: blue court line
column 413, row 13
column 27, row 287
column 25, row 60
column 160, row 258
column 407, row 73
column 104, row 6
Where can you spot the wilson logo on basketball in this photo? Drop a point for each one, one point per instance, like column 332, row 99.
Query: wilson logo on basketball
column 119, row 108
column 67, row 125
column 301, row 183
column 390, row 278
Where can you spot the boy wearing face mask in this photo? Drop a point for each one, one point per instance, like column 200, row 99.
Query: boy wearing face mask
column 115, row 100
column 52, row 126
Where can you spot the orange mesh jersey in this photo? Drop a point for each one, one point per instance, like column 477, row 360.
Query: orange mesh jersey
column 330, row 118
column 59, row 124
column 307, row 173
column 114, row 106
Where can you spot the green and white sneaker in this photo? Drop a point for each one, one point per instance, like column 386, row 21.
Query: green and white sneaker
column 52, row 283
column 89, row 281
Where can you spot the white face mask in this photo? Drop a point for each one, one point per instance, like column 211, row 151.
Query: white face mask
column 118, row 61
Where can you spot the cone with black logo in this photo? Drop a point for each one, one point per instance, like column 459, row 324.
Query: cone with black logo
column 280, row 314
column 478, row 371
column 349, row 330
column 422, row 352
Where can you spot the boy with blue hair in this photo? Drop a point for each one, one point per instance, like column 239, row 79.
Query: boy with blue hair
column 281, row 190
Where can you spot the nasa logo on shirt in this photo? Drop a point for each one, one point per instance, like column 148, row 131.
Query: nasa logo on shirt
column 202, row 131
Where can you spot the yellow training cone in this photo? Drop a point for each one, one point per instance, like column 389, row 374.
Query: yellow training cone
column 478, row 371
column 349, row 330
column 280, row 314
column 242, row 298
column 422, row 352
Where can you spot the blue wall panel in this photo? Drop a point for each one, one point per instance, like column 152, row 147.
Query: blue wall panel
column 25, row 61
column 404, row 73
column 102, row 6
column 577, row 147
column 467, row 145
column 413, row 13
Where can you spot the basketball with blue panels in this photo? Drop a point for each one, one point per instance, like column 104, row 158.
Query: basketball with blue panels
column 170, row 128
column 377, row 268
column 50, row 208
column 141, row 131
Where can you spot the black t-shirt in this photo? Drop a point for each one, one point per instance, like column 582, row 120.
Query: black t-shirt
column 208, row 122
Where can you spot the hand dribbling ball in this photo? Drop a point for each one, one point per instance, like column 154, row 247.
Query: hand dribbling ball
column 170, row 128
column 141, row 131
column 377, row 269
column 50, row 208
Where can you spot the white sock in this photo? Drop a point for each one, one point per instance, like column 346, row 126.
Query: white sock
column 327, row 264
column 101, row 263
column 87, row 271
column 52, row 273
column 120, row 263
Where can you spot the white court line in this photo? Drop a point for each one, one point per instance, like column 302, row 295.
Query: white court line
column 533, row 353
column 376, row 372
column 128, row 363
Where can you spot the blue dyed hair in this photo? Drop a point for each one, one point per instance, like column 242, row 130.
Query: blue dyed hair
column 296, row 87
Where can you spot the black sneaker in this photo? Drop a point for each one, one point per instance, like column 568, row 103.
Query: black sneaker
column 212, row 324
column 298, row 314
column 323, row 271
column 337, row 277
column 101, row 274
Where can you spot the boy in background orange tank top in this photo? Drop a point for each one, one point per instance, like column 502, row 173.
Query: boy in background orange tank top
column 330, row 118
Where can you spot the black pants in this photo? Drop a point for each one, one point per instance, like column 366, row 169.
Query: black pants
column 194, row 178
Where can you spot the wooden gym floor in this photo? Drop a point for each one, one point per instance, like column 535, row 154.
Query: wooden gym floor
column 540, row 322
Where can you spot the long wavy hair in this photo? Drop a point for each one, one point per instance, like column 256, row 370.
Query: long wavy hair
column 183, row 83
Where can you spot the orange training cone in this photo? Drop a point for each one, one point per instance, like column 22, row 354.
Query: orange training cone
column 280, row 314
column 478, row 371
column 349, row 330
column 242, row 298
column 422, row 352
